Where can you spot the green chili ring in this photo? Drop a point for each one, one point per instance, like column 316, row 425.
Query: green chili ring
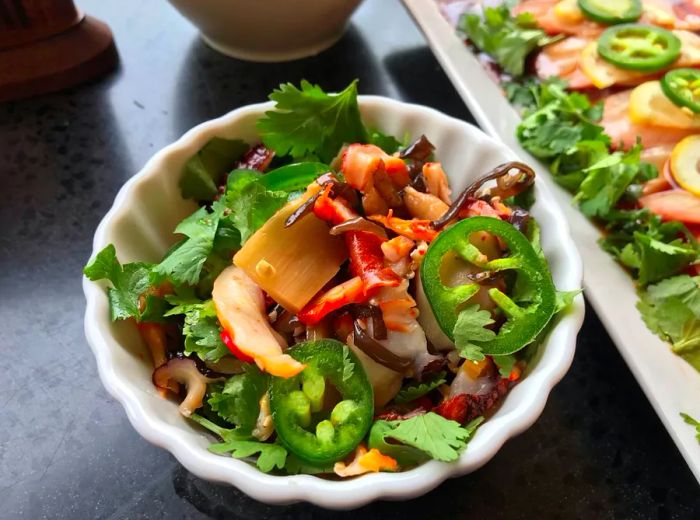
column 682, row 86
column 293, row 178
column 645, row 48
column 524, row 322
column 611, row 12
column 296, row 403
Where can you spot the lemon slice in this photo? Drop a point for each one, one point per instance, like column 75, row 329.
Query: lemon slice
column 656, row 12
column 685, row 164
column 604, row 74
column 650, row 106
column 568, row 11
column 690, row 50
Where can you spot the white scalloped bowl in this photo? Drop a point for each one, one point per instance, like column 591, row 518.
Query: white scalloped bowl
column 140, row 225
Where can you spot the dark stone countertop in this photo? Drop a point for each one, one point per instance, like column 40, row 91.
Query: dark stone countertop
column 66, row 447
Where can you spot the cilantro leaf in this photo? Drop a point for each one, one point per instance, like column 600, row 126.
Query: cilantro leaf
column 238, row 400
column 129, row 282
column 655, row 260
column 227, row 238
column 569, row 167
column 470, row 330
column 348, row 365
column 183, row 264
column 509, row 40
column 522, row 94
column 388, row 143
column 205, row 170
column 104, row 266
column 472, row 425
column 608, row 179
column 651, row 248
column 296, row 466
column 525, row 199
column 307, row 121
column 505, row 364
column 249, row 202
column 565, row 299
column 693, row 422
column 440, row 438
column 201, row 328
column 271, row 455
column 671, row 309
column 559, row 121
column 412, row 392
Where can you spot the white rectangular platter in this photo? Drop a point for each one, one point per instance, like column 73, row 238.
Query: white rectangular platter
column 670, row 384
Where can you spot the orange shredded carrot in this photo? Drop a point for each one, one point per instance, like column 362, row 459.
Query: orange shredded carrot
column 375, row 460
column 414, row 229
column 475, row 368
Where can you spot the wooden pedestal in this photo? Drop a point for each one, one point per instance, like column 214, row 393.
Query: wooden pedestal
column 47, row 45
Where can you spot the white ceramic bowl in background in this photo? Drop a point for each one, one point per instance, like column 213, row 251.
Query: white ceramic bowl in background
column 140, row 225
column 268, row 30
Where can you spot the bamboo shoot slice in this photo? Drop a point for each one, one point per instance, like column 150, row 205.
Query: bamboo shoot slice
column 292, row 264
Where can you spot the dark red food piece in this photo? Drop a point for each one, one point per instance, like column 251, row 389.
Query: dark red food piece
column 258, row 157
column 401, row 412
column 465, row 407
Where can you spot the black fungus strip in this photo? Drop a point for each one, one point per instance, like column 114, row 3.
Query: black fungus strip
column 471, row 190
column 378, row 352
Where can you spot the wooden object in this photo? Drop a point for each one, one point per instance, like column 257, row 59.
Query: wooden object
column 48, row 45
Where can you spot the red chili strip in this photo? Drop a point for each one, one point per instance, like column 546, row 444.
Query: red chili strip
column 228, row 341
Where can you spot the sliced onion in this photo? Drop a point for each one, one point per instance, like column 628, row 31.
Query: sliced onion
column 385, row 382
column 520, row 219
column 358, row 224
column 464, row 384
column 426, row 364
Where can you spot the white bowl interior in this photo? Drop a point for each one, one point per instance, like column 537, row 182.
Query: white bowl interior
column 140, row 225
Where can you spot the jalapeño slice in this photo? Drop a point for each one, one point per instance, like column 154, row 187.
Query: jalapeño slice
column 639, row 47
column 524, row 319
column 314, row 434
column 682, row 86
column 611, row 12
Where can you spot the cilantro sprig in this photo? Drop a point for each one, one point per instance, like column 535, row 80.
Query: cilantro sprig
column 671, row 309
column 204, row 171
column 348, row 365
column 509, row 40
column 413, row 391
column 270, row 455
column 249, row 203
column 308, row 122
column 558, row 121
column 183, row 264
column 471, row 330
column 693, row 422
column 129, row 283
column 201, row 328
column 431, row 433
column 237, row 401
